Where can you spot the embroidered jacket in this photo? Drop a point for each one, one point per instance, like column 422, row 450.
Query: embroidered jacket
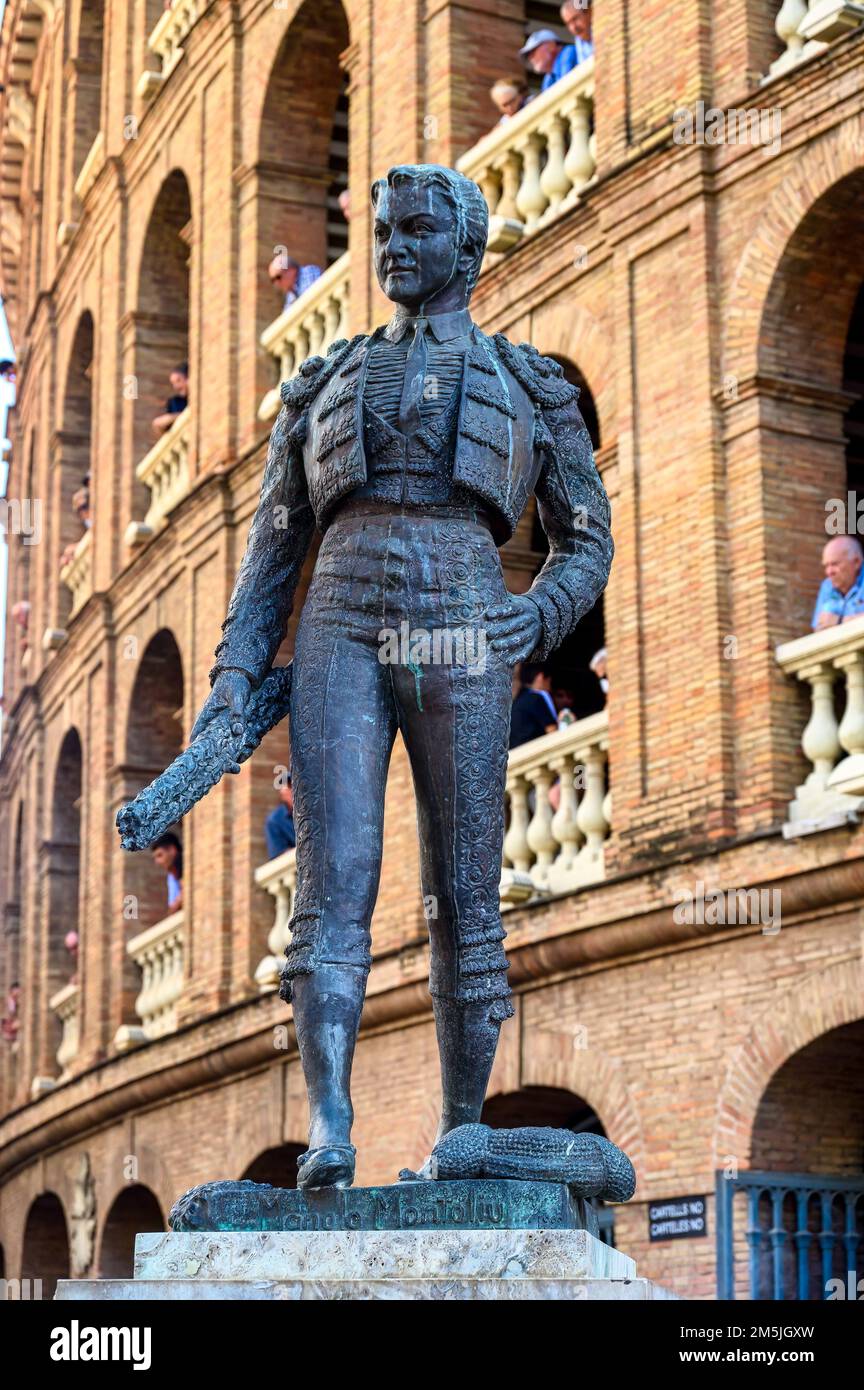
column 519, row 431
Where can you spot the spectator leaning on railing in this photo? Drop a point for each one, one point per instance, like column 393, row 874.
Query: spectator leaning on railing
column 168, row 854
column 576, row 14
column 176, row 404
column 841, row 593
column 292, row 278
column 545, row 53
column 509, row 94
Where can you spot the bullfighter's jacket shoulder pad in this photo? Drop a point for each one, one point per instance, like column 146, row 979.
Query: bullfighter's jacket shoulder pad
column 315, row 372
column 542, row 377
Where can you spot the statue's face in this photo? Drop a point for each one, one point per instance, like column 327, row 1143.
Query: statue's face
column 415, row 243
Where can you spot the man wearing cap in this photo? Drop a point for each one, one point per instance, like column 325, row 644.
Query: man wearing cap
column 545, row 53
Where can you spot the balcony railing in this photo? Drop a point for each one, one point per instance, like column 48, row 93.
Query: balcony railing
column 165, row 470
column 166, row 41
column 554, row 849
column 278, row 877
column 807, row 29
column 310, row 325
column 549, row 849
column 533, row 167
column 833, row 790
column 78, row 574
column 65, row 1004
column 798, row 1237
column 159, row 953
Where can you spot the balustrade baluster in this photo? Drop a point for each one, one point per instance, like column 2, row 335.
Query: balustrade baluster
column 579, row 163
column 754, row 1239
column 516, row 847
column 803, row 1241
column 778, row 1240
column 540, row 837
column 554, row 180
column 531, row 200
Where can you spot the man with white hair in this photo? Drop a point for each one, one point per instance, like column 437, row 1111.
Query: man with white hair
column 841, row 593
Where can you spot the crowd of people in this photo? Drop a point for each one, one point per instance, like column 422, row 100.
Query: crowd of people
column 548, row 58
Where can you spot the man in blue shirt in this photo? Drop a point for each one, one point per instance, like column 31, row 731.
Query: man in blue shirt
column 545, row 53
column 533, row 713
column 279, row 828
column 841, row 593
column 292, row 278
column 576, row 14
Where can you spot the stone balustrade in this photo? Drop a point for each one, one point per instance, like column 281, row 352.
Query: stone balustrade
column 833, row 790
column 159, row 953
column 548, row 850
column 66, row 1004
column 77, row 575
column 551, row 850
column 308, row 326
column 165, row 470
column 806, row 29
column 534, row 166
column 279, row 878
column 166, row 41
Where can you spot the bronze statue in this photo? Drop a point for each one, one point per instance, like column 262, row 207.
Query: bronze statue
column 414, row 450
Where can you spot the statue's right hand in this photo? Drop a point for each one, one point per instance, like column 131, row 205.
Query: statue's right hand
column 231, row 690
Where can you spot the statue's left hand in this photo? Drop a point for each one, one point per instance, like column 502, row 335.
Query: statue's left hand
column 514, row 628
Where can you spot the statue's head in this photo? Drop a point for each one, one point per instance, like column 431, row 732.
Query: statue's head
column 429, row 235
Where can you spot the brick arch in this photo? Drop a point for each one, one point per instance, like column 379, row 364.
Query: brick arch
column 819, row 168
column 551, row 1059
column 823, row 1001
column 256, row 1136
column 580, row 336
column 152, row 1172
column 158, row 650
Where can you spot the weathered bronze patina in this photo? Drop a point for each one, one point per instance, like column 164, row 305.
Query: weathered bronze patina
column 414, row 450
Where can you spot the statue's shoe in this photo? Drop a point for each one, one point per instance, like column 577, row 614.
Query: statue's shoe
column 331, row 1166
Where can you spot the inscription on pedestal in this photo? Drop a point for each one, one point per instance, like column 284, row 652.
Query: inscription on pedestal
column 474, row 1204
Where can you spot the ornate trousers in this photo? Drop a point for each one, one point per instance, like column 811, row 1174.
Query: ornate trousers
column 391, row 637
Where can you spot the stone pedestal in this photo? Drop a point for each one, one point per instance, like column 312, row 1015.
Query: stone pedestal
column 488, row 1240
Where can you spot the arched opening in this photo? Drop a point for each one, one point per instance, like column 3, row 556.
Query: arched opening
column 135, row 1209
column 73, row 453
column 87, row 98
column 63, row 868
column 154, row 737
column 162, row 314
column 574, row 685
column 302, row 165
column 811, row 335
column 555, row 1108
column 276, row 1167
column 45, row 1250
column 800, row 1223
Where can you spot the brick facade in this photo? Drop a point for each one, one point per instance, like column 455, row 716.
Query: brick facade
column 705, row 295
